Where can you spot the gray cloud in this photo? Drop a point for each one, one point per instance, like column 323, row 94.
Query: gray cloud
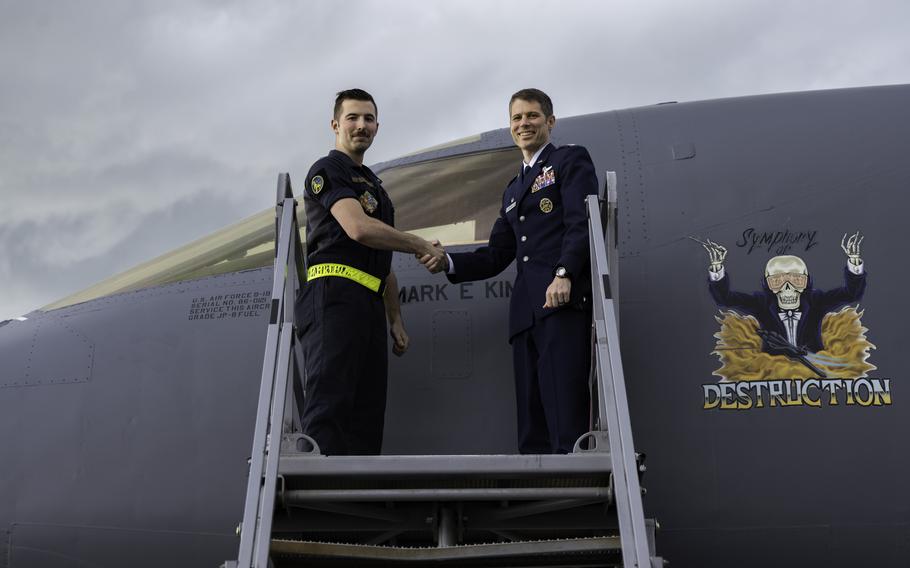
column 129, row 128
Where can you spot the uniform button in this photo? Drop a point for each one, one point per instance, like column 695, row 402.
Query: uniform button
column 523, row 238
column 522, row 218
column 525, row 259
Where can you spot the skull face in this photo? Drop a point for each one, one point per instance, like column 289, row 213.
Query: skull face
column 787, row 276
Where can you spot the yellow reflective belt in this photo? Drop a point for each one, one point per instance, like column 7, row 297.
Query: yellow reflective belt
column 332, row 269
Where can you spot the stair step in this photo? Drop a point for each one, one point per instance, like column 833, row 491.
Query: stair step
column 591, row 551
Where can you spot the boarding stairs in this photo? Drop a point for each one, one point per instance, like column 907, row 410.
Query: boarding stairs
column 580, row 509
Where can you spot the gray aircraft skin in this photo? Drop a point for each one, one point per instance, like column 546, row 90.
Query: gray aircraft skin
column 127, row 418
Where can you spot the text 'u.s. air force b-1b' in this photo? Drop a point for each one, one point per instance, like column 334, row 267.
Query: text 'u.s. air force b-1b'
column 748, row 276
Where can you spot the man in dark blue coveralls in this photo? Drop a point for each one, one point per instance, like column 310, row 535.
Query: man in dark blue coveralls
column 543, row 225
column 350, row 287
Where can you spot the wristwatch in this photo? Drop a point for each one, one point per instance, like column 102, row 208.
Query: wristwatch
column 561, row 272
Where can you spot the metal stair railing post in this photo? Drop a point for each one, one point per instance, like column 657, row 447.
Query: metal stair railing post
column 256, row 528
column 610, row 206
column 611, row 392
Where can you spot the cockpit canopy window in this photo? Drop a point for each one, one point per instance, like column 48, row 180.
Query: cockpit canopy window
column 452, row 199
column 463, row 189
column 245, row 245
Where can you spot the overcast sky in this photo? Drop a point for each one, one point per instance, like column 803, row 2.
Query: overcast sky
column 128, row 128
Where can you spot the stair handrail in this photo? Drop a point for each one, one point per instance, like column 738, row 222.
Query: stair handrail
column 277, row 368
column 612, row 403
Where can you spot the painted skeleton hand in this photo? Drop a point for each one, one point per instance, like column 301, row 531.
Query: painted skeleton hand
column 716, row 254
column 851, row 248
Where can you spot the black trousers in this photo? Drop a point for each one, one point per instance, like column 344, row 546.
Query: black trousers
column 552, row 360
column 345, row 346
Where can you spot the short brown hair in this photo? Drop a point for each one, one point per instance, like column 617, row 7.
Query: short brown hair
column 536, row 96
column 354, row 95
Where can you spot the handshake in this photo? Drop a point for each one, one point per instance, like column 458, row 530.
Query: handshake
column 433, row 258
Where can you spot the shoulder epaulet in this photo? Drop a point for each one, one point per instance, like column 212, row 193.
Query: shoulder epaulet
column 319, row 164
column 571, row 148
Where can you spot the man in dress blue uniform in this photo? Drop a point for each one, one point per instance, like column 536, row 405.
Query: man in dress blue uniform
column 543, row 226
column 350, row 287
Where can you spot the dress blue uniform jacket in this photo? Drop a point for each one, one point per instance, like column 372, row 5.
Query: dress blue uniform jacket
column 814, row 305
column 542, row 224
